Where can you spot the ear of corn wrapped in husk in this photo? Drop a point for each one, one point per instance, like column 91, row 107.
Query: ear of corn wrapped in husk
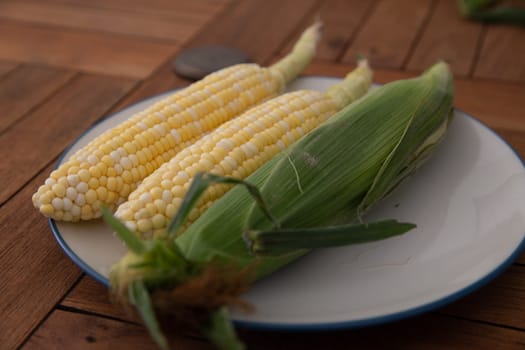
column 335, row 174
column 312, row 192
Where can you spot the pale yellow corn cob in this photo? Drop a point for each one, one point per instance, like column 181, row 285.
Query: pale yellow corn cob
column 237, row 148
column 111, row 166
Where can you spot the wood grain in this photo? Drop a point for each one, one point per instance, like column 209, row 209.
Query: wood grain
column 502, row 56
column 87, row 51
column 93, row 297
column 191, row 9
column 80, row 331
column 226, row 29
column 502, row 301
column 177, row 27
column 6, row 67
column 447, row 37
column 429, row 332
column 55, row 124
column 341, row 20
column 245, row 26
column 388, row 35
column 161, row 81
column 495, row 103
column 25, row 88
column 35, row 272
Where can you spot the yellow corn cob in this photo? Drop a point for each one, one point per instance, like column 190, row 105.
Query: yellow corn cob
column 111, row 166
column 237, row 148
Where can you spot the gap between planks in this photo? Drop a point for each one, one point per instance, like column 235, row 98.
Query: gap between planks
column 82, row 331
column 27, row 87
column 387, row 35
column 6, row 68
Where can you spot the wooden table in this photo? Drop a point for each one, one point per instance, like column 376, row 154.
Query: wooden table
column 65, row 64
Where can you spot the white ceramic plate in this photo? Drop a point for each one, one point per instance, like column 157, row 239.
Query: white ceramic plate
column 468, row 202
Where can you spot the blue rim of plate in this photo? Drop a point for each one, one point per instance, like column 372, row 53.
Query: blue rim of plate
column 325, row 326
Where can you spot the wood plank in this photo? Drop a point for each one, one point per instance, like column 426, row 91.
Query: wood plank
column 502, row 301
column 429, row 332
column 341, row 20
column 88, row 51
column 55, row 124
column 194, row 8
column 246, row 17
column 502, row 55
column 388, row 35
column 68, row 330
column 242, row 26
column 26, row 87
column 447, row 37
column 93, row 297
column 497, row 104
column 35, row 273
column 6, row 67
column 177, row 27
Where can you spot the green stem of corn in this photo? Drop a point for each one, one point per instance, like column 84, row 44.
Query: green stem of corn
column 220, row 331
column 301, row 55
column 130, row 239
column 138, row 296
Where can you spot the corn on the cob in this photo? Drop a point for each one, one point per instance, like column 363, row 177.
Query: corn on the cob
column 236, row 148
column 331, row 176
column 111, row 166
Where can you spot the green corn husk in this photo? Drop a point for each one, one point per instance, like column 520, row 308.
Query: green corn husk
column 489, row 11
column 336, row 173
column 323, row 184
